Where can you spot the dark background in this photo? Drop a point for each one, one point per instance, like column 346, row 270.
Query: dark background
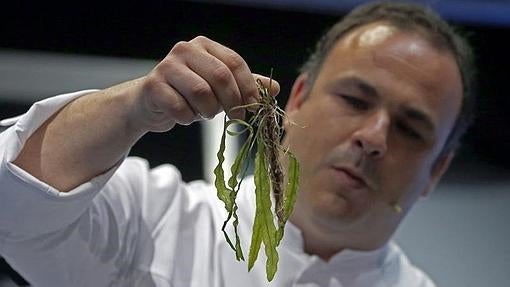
column 265, row 37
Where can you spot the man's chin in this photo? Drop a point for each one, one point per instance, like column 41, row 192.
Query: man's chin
column 338, row 213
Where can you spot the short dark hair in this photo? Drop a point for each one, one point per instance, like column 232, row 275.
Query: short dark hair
column 410, row 17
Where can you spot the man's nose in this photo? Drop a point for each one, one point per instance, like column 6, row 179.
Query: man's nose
column 372, row 134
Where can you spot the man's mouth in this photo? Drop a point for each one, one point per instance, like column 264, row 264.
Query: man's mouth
column 350, row 177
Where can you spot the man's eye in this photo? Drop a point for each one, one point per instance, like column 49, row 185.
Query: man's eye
column 408, row 131
column 356, row 103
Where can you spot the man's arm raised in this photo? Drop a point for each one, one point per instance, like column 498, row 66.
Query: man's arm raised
column 196, row 80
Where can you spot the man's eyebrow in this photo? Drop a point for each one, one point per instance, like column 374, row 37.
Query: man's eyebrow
column 358, row 83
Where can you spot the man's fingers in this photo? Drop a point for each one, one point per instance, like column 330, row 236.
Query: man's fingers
column 166, row 100
column 199, row 94
column 236, row 64
column 220, row 78
column 205, row 77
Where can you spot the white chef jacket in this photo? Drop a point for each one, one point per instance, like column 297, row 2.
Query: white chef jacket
column 136, row 226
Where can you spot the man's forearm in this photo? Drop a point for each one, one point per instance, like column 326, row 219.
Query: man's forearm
column 196, row 80
column 83, row 139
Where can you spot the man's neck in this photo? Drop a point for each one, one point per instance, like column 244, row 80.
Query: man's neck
column 325, row 243
column 317, row 242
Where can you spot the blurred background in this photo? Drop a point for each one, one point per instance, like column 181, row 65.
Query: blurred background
column 459, row 235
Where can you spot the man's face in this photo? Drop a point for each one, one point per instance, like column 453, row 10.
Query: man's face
column 368, row 133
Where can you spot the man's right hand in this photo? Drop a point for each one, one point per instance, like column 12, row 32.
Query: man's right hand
column 195, row 81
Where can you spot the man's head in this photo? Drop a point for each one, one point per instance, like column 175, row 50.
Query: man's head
column 376, row 108
column 407, row 17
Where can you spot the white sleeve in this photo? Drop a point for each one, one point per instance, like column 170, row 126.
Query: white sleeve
column 131, row 226
column 17, row 187
column 43, row 232
column 101, row 234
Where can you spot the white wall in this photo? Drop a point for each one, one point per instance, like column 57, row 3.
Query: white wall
column 461, row 234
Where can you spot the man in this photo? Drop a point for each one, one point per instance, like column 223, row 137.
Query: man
column 379, row 108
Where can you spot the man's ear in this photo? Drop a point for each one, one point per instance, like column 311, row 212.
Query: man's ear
column 298, row 93
column 438, row 169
